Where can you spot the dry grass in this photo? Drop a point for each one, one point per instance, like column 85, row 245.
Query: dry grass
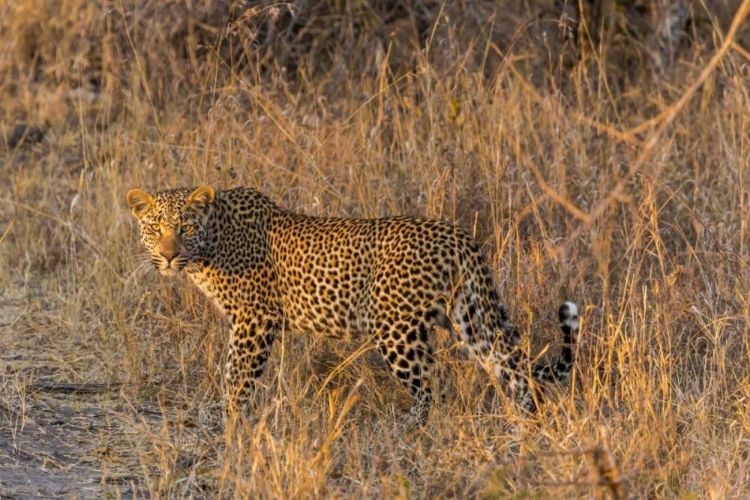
column 499, row 125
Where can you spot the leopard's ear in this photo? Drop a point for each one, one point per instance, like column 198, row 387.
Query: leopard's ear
column 202, row 197
column 139, row 202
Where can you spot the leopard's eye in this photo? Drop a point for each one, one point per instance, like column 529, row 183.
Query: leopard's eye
column 155, row 227
column 186, row 229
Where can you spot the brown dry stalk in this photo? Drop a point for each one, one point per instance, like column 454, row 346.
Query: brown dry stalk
column 609, row 130
column 606, row 475
column 604, row 470
column 7, row 230
column 561, row 200
column 664, row 119
column 741, row 51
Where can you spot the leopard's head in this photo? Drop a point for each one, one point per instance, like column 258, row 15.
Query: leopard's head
column 173, row 224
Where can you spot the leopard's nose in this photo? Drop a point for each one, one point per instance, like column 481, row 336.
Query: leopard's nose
column 169, row 254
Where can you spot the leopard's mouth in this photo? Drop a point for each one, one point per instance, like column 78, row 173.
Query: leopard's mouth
column 170, row 267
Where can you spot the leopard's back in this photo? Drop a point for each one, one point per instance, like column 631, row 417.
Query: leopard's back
column 332, row 271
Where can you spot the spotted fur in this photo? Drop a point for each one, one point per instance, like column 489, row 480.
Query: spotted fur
column 393, row 280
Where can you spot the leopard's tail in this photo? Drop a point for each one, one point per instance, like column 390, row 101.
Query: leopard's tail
column 489, row 335
column 560, row 370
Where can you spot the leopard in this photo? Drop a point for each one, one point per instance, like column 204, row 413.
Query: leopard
column 392, row 281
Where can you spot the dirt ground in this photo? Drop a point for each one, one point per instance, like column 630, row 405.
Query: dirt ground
column 61, row 439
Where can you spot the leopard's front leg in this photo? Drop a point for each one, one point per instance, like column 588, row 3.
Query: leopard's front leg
column 249, row 347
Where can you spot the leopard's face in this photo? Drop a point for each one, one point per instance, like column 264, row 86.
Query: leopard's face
column 173, row 225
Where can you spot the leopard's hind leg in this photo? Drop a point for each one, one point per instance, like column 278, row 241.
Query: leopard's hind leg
column 491, row 337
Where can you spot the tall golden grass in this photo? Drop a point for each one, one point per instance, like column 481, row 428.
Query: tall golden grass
column 573, row 160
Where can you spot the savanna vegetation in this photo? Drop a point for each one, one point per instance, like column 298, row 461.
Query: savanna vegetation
column 598, row 150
